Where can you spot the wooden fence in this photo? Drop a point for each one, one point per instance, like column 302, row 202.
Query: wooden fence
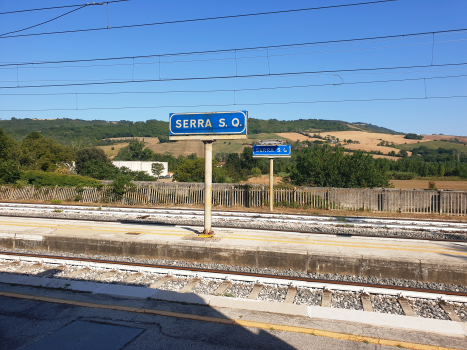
column 228, row 195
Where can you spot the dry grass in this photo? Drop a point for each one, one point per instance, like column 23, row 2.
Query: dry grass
column 262, row 180
column 423, row 184
column 184, row 148
column 294, row 136
column 112, row 153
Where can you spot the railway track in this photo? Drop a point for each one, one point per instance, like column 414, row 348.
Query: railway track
column 274, row 217
column 450, row 231
column 411, row 301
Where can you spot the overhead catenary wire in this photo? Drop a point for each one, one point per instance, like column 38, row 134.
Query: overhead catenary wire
column 234, row 76
column 226, row 58
column 60, row 7
column 204, row 19
column 237, row 104
column 234, row 90
column 269, row 47
column 42, row 23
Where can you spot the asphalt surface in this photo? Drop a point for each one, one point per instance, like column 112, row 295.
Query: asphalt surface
column 29, row 324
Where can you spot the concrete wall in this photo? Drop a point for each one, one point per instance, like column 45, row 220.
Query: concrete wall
column 141, row 166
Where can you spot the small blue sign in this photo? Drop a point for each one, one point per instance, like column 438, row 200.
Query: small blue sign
column 272, row 151
column 216, row 123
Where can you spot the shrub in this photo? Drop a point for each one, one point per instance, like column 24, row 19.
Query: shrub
column 412, row 136
column 9, row 171
column 256, row 172
column 400, row 175
column 41, row 178
column 432, row 186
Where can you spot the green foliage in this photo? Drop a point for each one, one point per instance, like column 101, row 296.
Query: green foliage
column 99, row 170
column 55, row 201
column 85, row 155
column 121, row 185
column 401, row 175
column 328, row 167
column 8, row 147
column 40, row 153
column 157, row 168
column 191, row 170
column 256, row 172
column 9, row 171
column 412, row 136
column 41, row 178
column 84, row 133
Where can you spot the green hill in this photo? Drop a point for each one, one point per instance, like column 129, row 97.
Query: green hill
column 82, row 133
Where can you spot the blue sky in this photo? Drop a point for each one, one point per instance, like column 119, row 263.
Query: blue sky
column 429, row 116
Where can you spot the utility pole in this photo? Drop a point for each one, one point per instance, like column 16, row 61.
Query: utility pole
column 207, row 187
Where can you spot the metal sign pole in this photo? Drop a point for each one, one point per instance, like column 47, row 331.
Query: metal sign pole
column 271, row 184
column 207, row 187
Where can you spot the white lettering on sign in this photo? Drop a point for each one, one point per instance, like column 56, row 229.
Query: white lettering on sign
column 200, row 123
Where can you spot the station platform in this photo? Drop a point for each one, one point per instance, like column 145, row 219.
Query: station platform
column 426, row 261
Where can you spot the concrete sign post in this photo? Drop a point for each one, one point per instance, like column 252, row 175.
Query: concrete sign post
column 271, row 149
column 208, row 127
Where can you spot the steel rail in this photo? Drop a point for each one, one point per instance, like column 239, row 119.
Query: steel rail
column 249, row 212
column 249, row 274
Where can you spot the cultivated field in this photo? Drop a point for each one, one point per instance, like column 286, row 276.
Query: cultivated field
column 111, row 153
column 435, row 145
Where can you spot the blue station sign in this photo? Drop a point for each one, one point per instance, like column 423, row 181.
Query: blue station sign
column 216, row 123
column 272, row 151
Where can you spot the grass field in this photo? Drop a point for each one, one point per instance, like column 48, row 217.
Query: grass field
column 434, row 145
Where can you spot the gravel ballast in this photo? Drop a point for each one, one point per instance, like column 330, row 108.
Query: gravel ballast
column 302, row 226
column 386, row 304
column 290, row 273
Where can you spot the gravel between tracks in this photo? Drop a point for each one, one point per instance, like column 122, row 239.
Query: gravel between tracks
column 386, row 304
column 428, row 309
column 308, row 296
column 253, row 223
column 346, row 300
column 291, row 273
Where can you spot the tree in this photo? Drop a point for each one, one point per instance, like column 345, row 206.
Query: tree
column 8, row 147
column 40, row 153
column 403, row 153
column 157, row 168
column 256, row 172
column 86, row 155
column 9, row 171
column 324, row 167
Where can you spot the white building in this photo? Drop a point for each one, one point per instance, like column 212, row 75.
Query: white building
column 141, row 166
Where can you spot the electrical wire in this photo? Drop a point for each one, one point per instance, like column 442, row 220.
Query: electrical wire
column 228, row 58
column 236, row 104
column 270, row 47
column 234, row 76
column 237, row 90
column 50, row 20
column 60, row 7
column 204, row 19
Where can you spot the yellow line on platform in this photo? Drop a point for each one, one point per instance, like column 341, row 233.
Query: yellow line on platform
column 355, row 245
column 234, row 322
column 386, row 246
column 300, row 240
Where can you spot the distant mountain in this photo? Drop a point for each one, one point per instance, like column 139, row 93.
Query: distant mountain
column 82, row 133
